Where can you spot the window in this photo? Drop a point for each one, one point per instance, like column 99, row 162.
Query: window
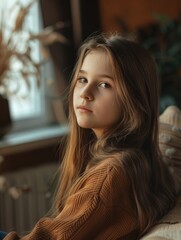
column 31, row 105
column 30, row 108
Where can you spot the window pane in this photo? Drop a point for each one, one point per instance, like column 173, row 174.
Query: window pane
column 31, row 104
column 27, row 102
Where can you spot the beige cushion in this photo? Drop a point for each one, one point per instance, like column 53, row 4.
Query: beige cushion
column 164, row 232
column 169, row 227
column 170, row 142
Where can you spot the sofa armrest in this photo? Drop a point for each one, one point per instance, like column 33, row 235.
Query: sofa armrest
column 169, row 227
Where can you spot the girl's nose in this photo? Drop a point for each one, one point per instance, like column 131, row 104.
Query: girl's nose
column 87, row 94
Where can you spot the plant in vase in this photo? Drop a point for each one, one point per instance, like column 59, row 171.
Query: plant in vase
column 18, row 65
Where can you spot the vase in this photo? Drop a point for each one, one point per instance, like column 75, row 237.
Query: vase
column 5, row 117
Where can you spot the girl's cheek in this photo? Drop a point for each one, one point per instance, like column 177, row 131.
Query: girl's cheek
column 75, row 92
column 74, row 98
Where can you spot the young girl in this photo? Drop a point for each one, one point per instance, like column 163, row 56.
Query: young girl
column 113, row 184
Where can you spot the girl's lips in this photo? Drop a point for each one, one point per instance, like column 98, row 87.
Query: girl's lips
column 83, row 109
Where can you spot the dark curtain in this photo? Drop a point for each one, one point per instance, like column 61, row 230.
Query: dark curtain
column 63, row 55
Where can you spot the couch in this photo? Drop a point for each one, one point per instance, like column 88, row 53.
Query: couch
column 169, row 227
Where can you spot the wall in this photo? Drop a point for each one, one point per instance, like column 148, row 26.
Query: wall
column 135, row 12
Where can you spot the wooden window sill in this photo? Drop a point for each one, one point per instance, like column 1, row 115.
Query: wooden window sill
column 32, row 139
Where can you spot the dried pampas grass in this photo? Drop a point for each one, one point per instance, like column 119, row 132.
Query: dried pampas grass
column 12, row 38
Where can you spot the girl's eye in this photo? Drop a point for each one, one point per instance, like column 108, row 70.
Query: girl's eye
column 105, row 85
column 82, row 80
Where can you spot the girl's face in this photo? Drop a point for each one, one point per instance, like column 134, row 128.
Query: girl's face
column 94, row 97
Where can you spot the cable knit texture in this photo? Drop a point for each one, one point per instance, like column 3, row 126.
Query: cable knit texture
column 99, row 208
column 170, row 142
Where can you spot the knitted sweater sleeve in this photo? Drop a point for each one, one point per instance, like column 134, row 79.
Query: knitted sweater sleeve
column 95, row 210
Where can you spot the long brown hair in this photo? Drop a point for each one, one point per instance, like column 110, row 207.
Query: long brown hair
column 133, row 141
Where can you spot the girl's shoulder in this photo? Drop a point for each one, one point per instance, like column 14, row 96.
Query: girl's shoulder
column 108, row 166
column 103, row 178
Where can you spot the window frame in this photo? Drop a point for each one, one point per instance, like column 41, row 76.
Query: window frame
column 46, row 116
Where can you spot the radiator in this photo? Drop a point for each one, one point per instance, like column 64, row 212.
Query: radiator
column 25, row 197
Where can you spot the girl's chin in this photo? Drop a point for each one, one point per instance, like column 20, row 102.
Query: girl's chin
column 84, row 125
column 98, row 132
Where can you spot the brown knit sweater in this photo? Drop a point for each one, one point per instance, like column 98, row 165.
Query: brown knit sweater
column 98, row 209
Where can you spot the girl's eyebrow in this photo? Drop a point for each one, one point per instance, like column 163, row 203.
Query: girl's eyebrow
column 82, row 71
column 99, row 75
